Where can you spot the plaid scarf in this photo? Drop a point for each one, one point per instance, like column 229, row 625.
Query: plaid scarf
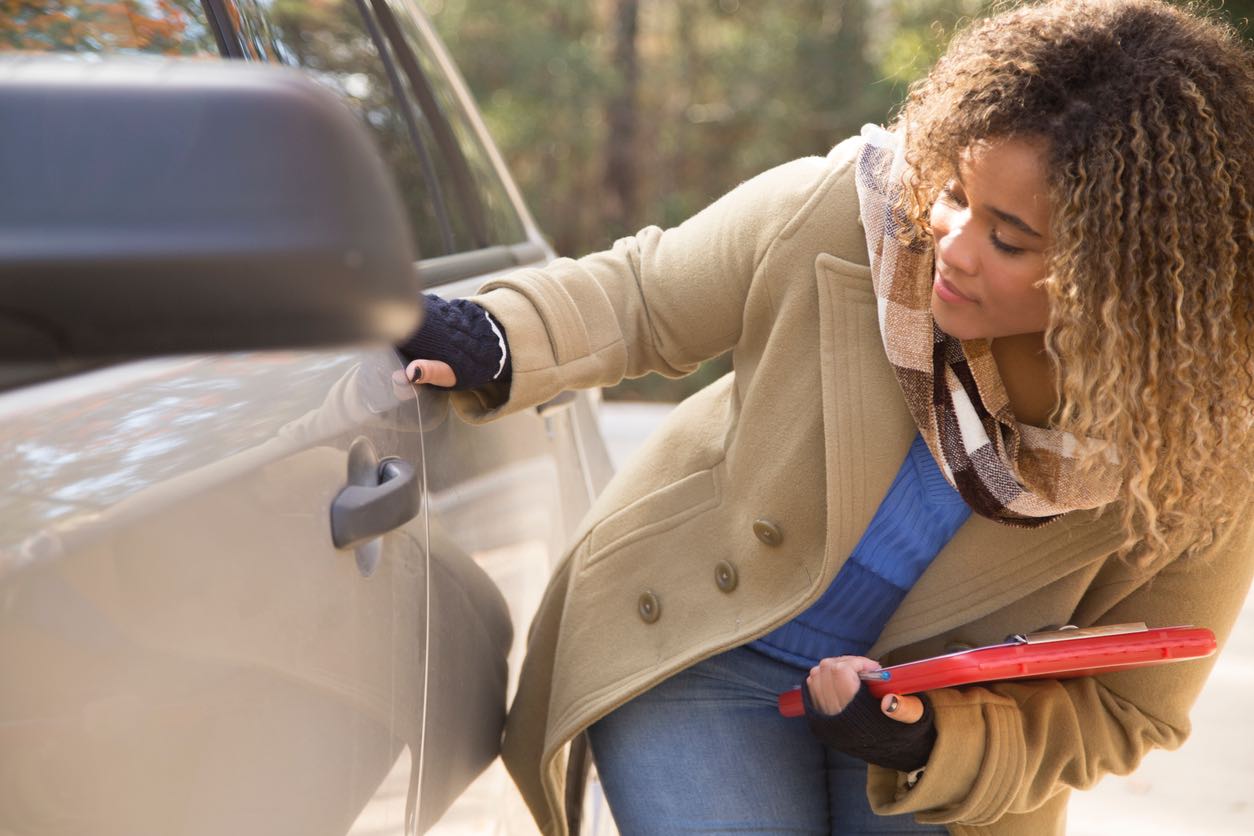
column 1013, row 473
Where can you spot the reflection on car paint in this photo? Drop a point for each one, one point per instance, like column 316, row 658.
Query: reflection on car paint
column 107, row 446
column 161, row 629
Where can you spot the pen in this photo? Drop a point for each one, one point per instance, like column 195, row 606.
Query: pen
column 875, row 676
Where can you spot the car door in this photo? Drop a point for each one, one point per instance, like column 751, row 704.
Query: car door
column 183, row 647
column 193, row 653
column 185, row 650
column 507, row 495
column 503, row 498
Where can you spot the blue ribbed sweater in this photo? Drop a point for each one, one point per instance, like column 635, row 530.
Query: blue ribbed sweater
column 919, row 515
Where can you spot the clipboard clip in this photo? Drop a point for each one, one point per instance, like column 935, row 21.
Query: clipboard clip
column 1070, row 632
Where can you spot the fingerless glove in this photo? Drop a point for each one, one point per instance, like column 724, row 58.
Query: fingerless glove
column 464, row 335
column 862, row 730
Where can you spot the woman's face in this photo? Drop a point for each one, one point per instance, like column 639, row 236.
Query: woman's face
column 991, row 225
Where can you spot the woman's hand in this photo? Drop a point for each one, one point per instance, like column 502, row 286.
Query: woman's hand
column 834, row 682
column 895, row 732
column 434, row 372
column 459, row 346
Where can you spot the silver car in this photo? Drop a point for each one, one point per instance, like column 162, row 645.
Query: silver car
column 250, row 583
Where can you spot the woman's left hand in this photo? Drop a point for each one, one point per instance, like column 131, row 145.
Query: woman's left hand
column 834, row 682
column 895, row 731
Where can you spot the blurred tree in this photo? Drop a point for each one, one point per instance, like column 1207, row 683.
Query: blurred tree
column 161, row 26
column 668, row 104
column 621, row 176
column 1241, row 13
column 614, row 114
column 618, row 113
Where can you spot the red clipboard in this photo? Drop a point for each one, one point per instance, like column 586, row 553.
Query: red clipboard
column 1059, row 654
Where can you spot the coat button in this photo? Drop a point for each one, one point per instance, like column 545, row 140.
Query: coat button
column 725, row 576
column 768, row 532
column 958, row 646
column 649, row 607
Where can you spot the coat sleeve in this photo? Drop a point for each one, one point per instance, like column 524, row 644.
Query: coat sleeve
column 1009, row 747
column 661, row 300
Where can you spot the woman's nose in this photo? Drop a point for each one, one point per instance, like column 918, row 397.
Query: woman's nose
column 954, row 244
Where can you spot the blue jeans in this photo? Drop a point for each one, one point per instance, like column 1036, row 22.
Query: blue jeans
column 707, row 751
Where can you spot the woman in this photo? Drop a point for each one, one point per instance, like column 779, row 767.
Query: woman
column 992, row 373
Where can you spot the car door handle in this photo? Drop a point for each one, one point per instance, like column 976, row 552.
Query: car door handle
column 360, row 513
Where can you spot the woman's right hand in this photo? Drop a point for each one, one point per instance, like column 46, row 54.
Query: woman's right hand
column 896, row 732
column 459, row 346
column 433, row 372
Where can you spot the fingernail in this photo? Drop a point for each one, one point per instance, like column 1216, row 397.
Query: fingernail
column 417, row 375
column 892, row 704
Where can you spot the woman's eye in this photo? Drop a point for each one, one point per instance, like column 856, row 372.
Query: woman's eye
column 949, row 195
column 1003, row 246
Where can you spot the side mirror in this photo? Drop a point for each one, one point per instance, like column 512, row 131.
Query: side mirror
column 161, row 206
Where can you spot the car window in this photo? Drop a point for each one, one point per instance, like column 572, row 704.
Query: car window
column 332, row 40
column 488, row 215
column 116, row 27
column 452, row 192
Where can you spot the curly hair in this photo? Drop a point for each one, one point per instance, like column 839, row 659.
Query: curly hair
column 1145, row 109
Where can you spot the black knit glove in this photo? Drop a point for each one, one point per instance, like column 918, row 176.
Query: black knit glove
column 862, row 730
column 465, row 336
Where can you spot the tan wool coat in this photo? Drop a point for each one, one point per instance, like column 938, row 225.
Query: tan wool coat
column 776, row 469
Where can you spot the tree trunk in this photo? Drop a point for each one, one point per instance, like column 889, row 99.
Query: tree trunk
column 621, row 165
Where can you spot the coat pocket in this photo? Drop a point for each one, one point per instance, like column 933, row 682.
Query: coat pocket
column 653, row 513
column 854, row 278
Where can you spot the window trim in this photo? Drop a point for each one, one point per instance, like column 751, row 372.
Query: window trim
column 228, row 28
column 219, row 21
column 411, row 125
column 447, row 67
column 470, row 264
column 467, row 189
column 217, row 16
column 454, row 266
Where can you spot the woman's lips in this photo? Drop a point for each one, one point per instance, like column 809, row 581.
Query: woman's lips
column 947, row 291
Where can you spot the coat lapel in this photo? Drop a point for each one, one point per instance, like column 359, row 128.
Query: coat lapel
column 868, row 430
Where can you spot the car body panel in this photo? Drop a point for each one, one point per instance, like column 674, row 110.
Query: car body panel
column 186, row 596
column 182, row 648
